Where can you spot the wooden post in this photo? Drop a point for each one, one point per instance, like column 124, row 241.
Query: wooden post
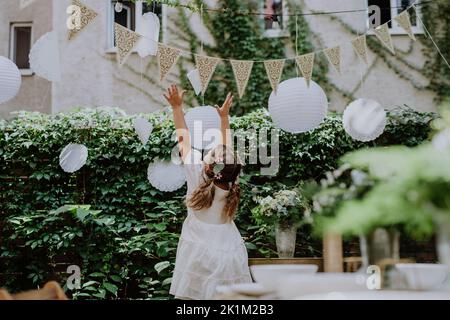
column 333, row 260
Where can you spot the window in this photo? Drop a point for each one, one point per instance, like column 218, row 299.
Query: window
column 274, row 21
column 20, row 46
column 388, row 10
column 130, row 16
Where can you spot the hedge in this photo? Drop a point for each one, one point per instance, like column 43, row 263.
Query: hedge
column 125, row 239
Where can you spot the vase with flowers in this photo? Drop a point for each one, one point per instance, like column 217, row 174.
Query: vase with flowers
column 285, row 210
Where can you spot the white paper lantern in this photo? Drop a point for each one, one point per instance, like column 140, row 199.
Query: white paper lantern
column 204, row 127
column 10, row 79
column 364, row 120
column 148, row 28
column 166, row 176
column 295, row 108
column 44, row 57
column 73, row 157
column 143, row 129
column 194, row 79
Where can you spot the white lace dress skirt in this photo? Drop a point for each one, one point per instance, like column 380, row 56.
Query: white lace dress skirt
column 208, row 255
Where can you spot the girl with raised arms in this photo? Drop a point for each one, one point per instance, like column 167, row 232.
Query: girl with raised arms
column 211, row 251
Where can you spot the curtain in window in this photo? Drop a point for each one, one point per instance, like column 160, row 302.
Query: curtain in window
column 22, row 46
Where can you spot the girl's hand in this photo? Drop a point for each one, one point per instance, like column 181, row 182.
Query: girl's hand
column 174, row 97
column 224, row 111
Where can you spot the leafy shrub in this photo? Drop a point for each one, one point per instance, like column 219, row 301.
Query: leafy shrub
column 125, row 240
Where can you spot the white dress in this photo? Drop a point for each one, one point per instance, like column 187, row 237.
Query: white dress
column 211, row 251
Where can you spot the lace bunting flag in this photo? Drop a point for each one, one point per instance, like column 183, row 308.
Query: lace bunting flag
column 206, row 67
column 274, row 70
column 334, row 57
column 383, row 34
column 242, row 71
column 404, row 21
column 167, row 58
column 306, row 65
column 87, row 15
column 126, row 40
column 360, row 46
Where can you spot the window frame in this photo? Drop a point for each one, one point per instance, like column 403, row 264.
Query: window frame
column 395, row 29
column 110, row 48
column 276, row 33
column 12, row 42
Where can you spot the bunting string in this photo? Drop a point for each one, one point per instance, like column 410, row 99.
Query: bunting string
column 195, row 8
column 189, row 53
column 206, row 65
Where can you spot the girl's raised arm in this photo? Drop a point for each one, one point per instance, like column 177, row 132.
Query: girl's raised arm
column 224, row 113
column 175, row 99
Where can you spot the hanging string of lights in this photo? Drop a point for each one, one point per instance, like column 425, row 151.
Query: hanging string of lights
column 198, row 8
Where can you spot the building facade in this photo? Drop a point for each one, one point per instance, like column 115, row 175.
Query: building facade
column 91, row 76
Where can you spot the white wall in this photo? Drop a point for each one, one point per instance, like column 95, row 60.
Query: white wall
column 91, row 77
column 35, row 93
column 382, row 83
column 90, row 74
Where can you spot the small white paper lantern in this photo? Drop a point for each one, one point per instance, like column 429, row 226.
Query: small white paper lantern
column 166, row 176
column 295, row 108
column 10, row 79
column 204, row 127
column 364, row 120
column 44, row 57
column 194, row 79
column 148, row 28
column 73, row 157
column 143, row 129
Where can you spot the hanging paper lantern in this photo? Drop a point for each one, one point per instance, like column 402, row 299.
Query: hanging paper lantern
column 364, row 120
column 73, row 157
column 204, row 127
column 143, row 129
column 44, row 57
column 10, row 79
column 194, row 79
column 166, row 176
column 295, row 108
column 149, row 30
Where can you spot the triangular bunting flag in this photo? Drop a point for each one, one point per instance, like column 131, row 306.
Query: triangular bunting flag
column 167, row 57
column 334, row 57
column 360, row 46
column 306, row 64
column 383, row 34
column 404, row 21
column 126, row 40
column 87, row 16
column 206, row 67
column 242, row 71
column 274, row 70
